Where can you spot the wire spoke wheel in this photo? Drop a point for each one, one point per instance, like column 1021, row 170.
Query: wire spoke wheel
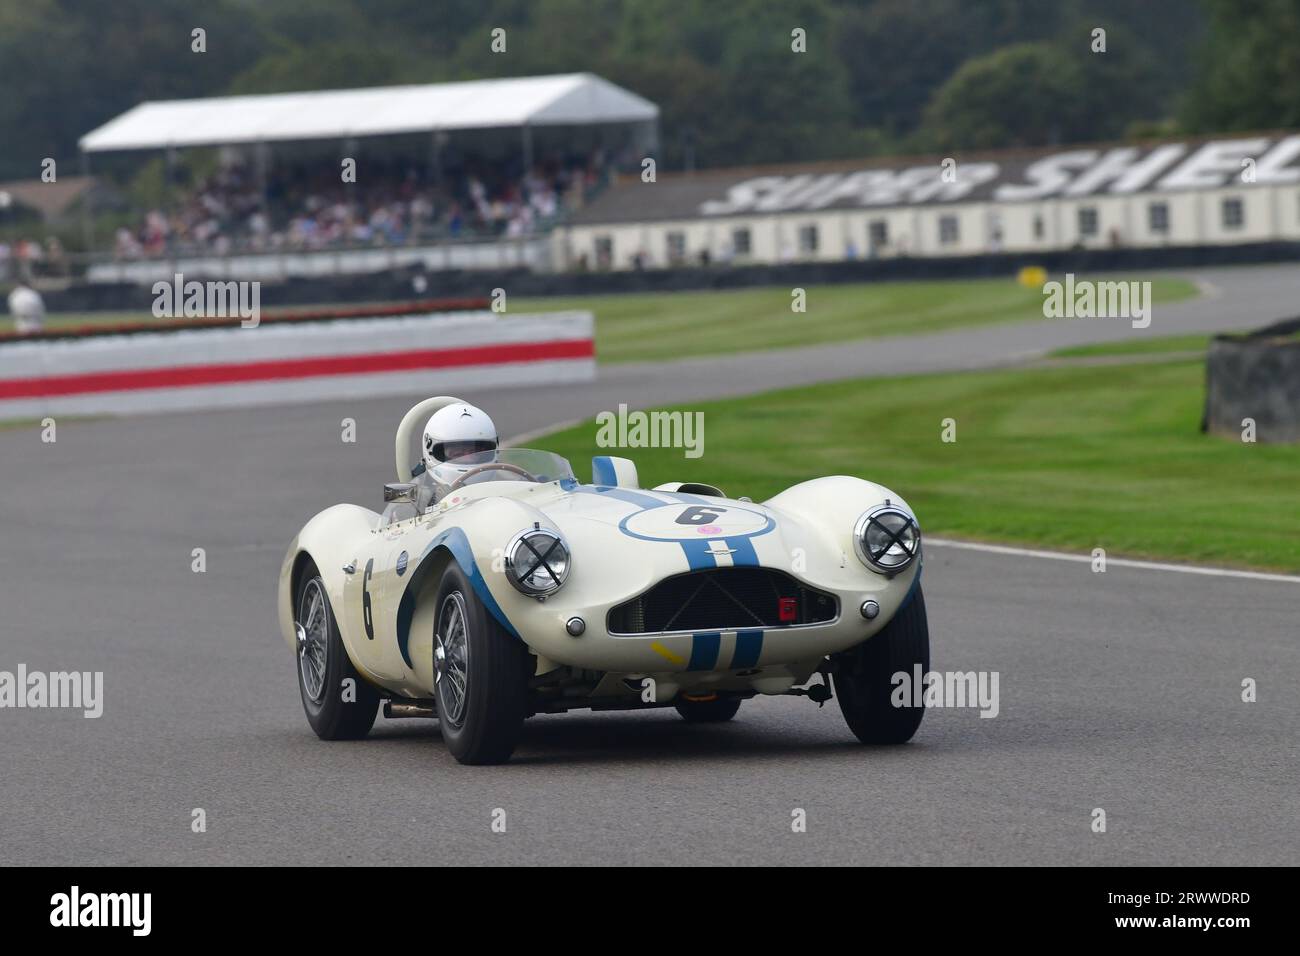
column 451, row 658
column 480, row 674
column 313, row 639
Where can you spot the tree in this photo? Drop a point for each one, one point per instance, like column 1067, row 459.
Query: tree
column 1249, row 68
column 992, row 73
column 1018, row 96
column 1058, row 91
column 67, row 66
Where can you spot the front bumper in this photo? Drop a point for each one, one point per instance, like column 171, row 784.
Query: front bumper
column 542, row 627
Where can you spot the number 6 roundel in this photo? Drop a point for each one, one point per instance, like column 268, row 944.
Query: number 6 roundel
column 678, row 522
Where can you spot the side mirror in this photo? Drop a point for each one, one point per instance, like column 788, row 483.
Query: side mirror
column 400, row 491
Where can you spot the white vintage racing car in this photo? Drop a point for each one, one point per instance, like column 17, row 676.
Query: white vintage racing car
column 503, row 588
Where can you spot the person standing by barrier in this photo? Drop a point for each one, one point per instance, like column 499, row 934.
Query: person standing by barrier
column 28, row 309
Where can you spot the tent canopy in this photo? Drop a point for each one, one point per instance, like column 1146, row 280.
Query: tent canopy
column 560, row 100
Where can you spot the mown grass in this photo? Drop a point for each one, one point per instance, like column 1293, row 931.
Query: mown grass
column 1137, row 346
column 671, row 325
column 1070, row 457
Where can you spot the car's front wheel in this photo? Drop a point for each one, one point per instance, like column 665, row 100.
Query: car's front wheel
column 480, row 673
column 864, row 683
column 339, row 703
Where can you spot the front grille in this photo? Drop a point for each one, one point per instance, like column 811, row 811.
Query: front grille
column 721, row 599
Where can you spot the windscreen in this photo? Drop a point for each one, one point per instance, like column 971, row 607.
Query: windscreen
column 534, row 464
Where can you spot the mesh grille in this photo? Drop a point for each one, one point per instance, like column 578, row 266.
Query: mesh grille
column 721, row 599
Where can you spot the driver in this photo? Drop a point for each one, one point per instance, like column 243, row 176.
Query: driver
column 452, row 432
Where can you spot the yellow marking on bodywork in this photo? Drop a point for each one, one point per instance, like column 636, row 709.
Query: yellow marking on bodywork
column 665, row 652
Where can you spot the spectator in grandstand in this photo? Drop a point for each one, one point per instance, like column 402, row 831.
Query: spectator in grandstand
column 56, row 260
column 28, row 259
column 310, row 208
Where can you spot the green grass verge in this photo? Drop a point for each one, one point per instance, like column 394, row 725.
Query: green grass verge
column 1161, row 345
column 62, row 320
column 34, row 424
column 671, row 325
column 1068, row 458
column 1137, row 346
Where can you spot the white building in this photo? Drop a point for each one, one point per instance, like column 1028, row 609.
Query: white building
column 1186, row 193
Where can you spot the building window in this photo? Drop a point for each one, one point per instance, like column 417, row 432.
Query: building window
column 877, row 234
column 1234, row 214
column 741, row 243
column 676, row 242
column 1158, row 217
column 604, row 252
column 807, row 239
column 1087, row 221
column 949, row 232
column 995, row 235
column 1039, row 229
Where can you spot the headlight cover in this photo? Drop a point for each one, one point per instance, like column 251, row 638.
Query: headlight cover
column 887, row 538
column 537, row 562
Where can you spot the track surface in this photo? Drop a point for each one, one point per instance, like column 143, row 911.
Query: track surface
column 1118, row 690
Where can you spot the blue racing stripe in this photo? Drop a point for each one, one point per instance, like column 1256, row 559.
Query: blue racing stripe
column 688, row 497
column 704, row 651
column 455, row 541
column 743, row 553
column 698, row 554
column 749, row 645
column 602, row 471
column 622, row 494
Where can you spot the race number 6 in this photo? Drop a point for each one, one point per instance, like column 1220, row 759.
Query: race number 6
column 698, row 515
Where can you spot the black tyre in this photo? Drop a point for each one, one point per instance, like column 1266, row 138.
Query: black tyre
column 708, row 711
column 336, row 709
column 481, row 676
column 863, row 675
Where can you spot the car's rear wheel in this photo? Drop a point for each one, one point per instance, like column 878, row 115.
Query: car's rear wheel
column 713, row 711
column 864, row 674
column 339, row 703
column 480, row 676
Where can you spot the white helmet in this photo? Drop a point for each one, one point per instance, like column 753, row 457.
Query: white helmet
column 457, row 430
column 27, row 308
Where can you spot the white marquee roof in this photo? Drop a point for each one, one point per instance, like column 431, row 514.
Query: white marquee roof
column 566, row 99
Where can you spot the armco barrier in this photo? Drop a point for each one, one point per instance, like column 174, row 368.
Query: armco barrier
column 300, row 361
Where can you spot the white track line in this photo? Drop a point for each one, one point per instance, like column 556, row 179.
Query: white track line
column 1207, row 288
column 517, row 440
column 1112, row 562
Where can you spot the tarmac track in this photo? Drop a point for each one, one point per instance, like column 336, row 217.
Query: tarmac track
column 1118, row 691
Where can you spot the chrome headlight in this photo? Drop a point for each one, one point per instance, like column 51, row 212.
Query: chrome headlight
column 887, row 538
column 537, row 562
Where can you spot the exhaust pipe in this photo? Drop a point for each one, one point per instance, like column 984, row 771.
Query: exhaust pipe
column 409, row 708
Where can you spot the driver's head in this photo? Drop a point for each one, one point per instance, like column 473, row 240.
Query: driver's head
column 457, row 430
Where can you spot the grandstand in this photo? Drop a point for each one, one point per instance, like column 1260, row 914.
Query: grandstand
column 447, row 175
